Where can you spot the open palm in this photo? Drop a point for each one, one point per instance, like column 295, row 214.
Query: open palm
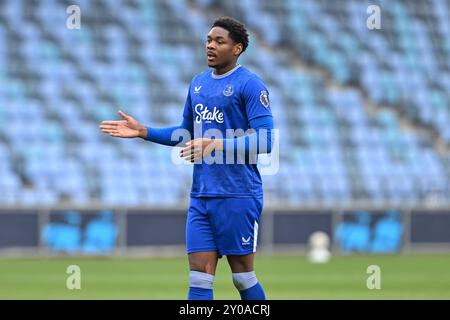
column 126, row 128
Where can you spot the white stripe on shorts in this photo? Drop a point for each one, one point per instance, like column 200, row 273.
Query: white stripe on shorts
column 255, row 236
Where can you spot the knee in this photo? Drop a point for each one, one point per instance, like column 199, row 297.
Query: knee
column 202, row 265
column 244, row 280
column 201, row 280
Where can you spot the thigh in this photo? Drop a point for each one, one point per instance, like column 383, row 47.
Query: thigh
column 235, row 224
column 241, row 263
column 199, row 234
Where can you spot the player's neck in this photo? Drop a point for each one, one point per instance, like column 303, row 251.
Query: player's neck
column 224, row 70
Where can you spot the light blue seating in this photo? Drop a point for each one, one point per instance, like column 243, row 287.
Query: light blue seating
column 333, row 148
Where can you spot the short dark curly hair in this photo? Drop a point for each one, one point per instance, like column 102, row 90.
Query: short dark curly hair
column 238, row 32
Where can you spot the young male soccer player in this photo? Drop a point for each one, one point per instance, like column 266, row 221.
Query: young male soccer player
column 226, row 198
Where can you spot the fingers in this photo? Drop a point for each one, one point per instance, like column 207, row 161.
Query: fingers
column 187, row 153
column 194, row 157
column 123, row 115
column 192, row 152
column 111, row 129
column 188, row 149
column 111, row 132
column 197, row 149
column 113, row 122
column 108, row 127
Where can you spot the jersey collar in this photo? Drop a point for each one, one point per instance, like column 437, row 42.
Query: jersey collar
column 221, row 76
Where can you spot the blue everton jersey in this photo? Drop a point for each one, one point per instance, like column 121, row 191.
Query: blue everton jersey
column 217, row 103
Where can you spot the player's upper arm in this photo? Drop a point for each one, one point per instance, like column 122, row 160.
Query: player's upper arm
column 256, row 98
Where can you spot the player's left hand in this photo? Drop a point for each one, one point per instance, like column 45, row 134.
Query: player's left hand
column 199, row 148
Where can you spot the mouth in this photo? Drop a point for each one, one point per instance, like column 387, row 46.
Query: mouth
column 211, row 56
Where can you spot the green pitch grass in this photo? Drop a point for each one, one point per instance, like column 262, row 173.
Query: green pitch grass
column 286, row 277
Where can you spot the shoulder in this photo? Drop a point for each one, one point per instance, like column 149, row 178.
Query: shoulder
column 248, row 74
column 201, row 76
column 251, row 81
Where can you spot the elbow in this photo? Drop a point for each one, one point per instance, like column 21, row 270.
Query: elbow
column 265, row 141
column 265, row 149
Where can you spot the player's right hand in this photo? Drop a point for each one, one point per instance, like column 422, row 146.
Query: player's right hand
column 126, row 128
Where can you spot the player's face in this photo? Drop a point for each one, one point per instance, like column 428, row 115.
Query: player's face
column 221, row 51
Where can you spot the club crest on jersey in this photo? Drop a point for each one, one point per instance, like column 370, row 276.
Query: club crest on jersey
column 228, row 91
column 203, row 114
column 264, row 98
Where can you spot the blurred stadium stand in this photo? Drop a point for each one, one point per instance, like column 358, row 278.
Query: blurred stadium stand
column 363, row 115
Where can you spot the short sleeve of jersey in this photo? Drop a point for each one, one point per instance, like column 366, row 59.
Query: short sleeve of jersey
column 256, row 98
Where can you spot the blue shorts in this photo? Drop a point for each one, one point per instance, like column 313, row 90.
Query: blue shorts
column 228, row 226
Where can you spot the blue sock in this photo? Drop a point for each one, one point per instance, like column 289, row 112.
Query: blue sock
column 200, row 286
column 248, row 286
column 254, row 293
column 200, row 294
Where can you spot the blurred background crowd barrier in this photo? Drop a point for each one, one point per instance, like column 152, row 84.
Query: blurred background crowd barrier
column 160, row 232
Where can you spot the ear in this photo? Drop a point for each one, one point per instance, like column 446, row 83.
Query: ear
column 238, row 49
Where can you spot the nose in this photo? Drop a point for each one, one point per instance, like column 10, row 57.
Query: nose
column 210, row 46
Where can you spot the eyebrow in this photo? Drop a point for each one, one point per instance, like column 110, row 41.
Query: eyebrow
column 218, row 37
